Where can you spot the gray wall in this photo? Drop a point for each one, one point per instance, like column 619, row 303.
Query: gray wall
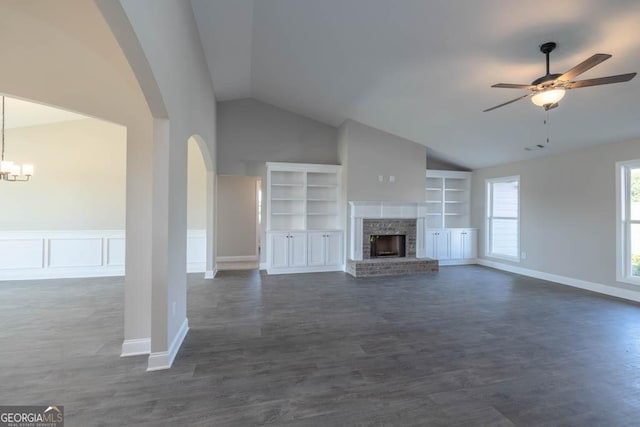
column 371, row 152
column 251, row 132
column 237, row 216
column 568, row 211
column 176, row 79
column 365, row 153
column 437, row 164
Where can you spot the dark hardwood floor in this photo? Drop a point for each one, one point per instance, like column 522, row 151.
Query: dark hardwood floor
column 466, row 346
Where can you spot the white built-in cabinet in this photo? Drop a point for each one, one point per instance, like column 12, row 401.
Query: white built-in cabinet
column 324, row 248
column 289, row 249
column 437, row 244
column 303, row 218
column 449, row 238
column 463, row 243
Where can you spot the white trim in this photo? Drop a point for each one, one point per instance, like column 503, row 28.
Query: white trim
column 488, row 197
column 504, row 257
column 263, row 266
column 239, row 258
column 447, row 262
column 28, row 255
column 436, row 173
column 210, row 274
column 196, row 267
column 623, row 222
column 136, row 347
column 386, row 210
column 164, row 359
column 61, row 273
column 314, row 269
column 564, row 280
column 302, row 167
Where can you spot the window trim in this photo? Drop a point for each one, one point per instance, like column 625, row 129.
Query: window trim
column 623, row 225
column 488, row 212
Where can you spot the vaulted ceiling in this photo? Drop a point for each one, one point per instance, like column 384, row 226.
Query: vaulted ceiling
column 423, row 69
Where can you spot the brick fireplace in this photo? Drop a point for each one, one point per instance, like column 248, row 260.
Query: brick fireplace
column 372, row 220
column 388, row 227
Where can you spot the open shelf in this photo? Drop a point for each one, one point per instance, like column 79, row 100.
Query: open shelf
column 447, row 196
column 303, row 196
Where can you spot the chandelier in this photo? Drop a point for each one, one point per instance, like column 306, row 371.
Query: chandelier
column 10, row 171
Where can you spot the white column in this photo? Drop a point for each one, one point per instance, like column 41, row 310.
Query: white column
column 169, row 323
column 356, row 239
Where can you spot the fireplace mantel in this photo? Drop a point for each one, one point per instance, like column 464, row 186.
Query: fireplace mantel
column 358, row 211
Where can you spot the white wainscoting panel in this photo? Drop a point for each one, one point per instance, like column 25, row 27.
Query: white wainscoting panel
column 64, row 252
column 21, row 253
column 115, row 251
column 77, row 253
column 196, row 251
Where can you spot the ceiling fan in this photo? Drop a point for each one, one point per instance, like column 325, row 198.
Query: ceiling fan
column 548, row 90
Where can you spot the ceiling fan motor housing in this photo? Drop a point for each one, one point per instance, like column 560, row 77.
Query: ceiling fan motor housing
column 548, row 47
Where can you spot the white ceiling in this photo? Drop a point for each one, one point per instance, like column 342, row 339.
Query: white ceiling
column 423, row 69
column 19, row 113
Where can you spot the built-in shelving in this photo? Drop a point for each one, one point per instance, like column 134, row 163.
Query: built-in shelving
column 303, row 197
column 447, row 195
column 303, row 218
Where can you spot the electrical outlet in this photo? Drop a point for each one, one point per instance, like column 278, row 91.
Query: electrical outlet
column 173, row 309
column 523, row 255
column 380, row 178
column 392, row 178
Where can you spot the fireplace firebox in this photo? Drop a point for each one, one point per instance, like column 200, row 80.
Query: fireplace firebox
column 388, row 246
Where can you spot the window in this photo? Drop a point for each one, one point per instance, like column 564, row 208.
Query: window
column 628, row 239
column 503, row 213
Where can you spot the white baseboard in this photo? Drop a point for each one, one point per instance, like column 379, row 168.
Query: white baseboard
column 457, row 262
column 315, row 269
column 164, row 359
column 136, row 347
column 236, row 258
column 263, row 266
column 564, row 280
column 210, row 274
column 61, row 273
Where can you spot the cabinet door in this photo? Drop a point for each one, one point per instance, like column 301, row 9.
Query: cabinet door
column 458, row 243
column 297, row 249
column 464, row 243
column 316, row 248
column 470, row 244
column 442, row 244
column 279, row 250
column 431, row 244
column 333, row 248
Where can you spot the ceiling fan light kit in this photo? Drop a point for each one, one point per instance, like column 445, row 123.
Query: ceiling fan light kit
column 548, row 97
column 548, row 90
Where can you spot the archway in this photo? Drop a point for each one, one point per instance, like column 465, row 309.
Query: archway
column 201, row 207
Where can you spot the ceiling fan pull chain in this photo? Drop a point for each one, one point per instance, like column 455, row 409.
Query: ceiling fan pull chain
column 546, row 122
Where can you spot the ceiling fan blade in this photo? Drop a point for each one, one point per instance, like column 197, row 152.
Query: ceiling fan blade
column 509, row 102
column 584, row 66
column 513, row 86
column 601, row 81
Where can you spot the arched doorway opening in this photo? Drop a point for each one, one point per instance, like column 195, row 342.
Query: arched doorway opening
column 201, row 246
